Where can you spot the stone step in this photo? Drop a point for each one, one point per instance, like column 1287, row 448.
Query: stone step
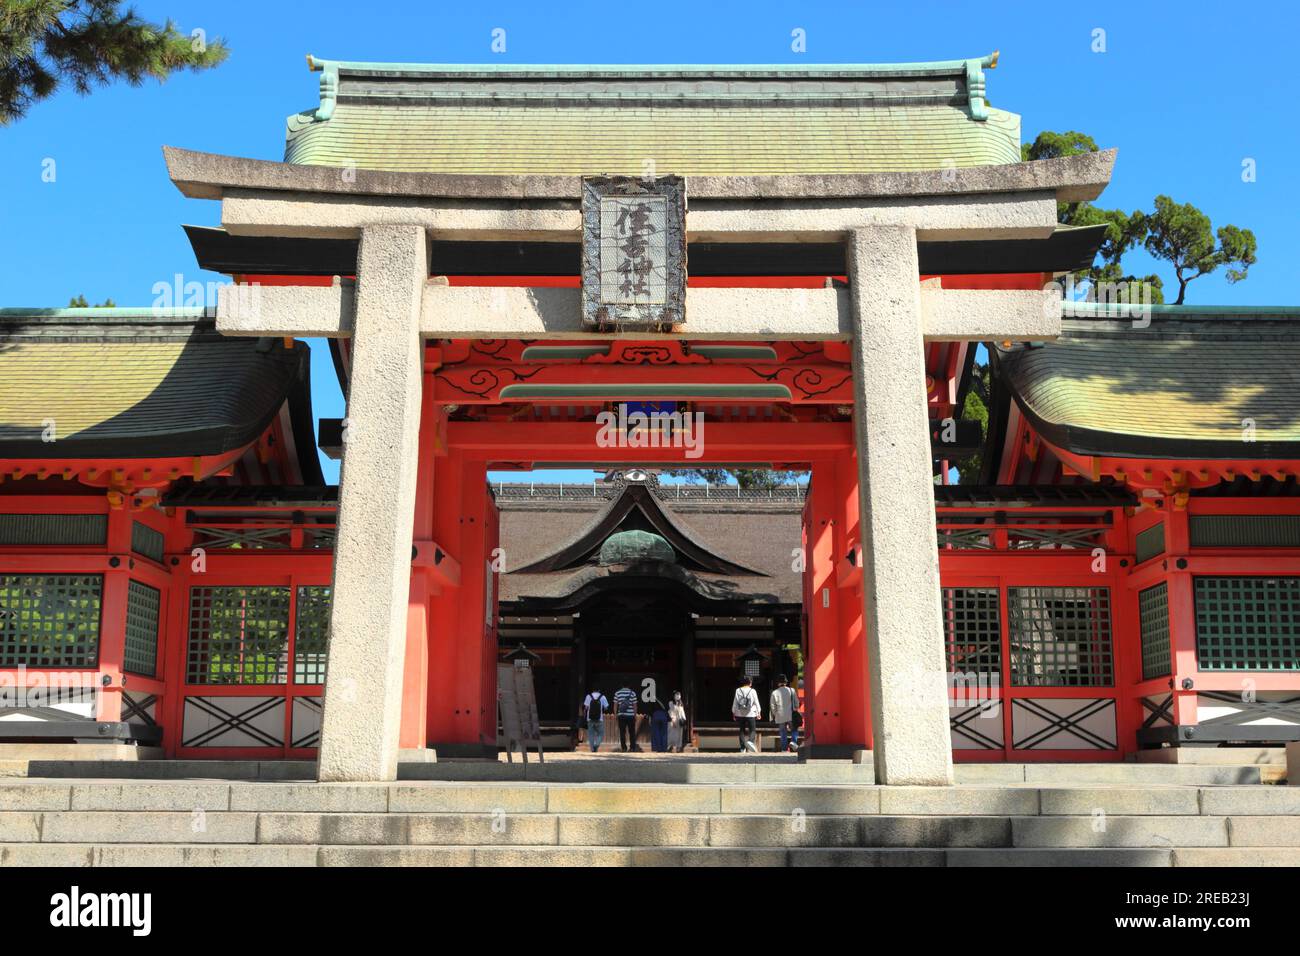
column 630, row 770
column 829, row 772
column 154, row 854
column 1215, row 756
column 653, row 770
column 647, row 829
column 522, row 798
column 110, row 855
column 1119, row 831
column 88, row 752
column 175, row 769
column 251, row 823
column 1065, row 774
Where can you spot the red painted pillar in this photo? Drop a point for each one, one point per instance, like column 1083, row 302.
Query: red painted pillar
column 477, row 619
column 1125, row 636
column 852, row 663
column 445, row 606
column 112, row 615
column 490, row 647
column 821, row 606
column 415, row 676
column 174, row 639
column 1182, row 618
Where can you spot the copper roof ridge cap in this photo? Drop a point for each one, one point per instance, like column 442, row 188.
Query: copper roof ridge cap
column 639, row 70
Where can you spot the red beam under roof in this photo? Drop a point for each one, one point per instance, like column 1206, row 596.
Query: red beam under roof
column 577, row 442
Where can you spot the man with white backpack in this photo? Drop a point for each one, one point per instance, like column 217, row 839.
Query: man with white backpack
column 745, row 708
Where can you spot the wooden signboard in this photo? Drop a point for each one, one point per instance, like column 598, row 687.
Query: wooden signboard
column 633, row 252
column 517, row 703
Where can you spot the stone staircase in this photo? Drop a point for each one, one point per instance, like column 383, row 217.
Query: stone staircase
column 700, row 769
column 101, row 822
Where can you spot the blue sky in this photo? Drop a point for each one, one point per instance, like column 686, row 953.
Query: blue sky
column 1187, row 91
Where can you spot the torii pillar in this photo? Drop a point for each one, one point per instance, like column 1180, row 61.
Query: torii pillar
column 900, row 566
column 372, row 556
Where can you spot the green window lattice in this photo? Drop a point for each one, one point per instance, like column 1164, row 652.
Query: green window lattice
column 1247, row 623
column 311, row 632
column 972, row 628
column 1149, row 543
column 50, row 620
column 1153, row 621
column 238, row 635
column 143, row 604
column 71, row 530
column 1244, row 531
column 147, row 541
column 1060, row 637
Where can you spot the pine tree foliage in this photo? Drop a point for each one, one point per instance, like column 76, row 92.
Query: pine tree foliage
column 47, row 44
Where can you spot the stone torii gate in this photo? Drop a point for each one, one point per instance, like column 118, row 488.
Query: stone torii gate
column 886, row 315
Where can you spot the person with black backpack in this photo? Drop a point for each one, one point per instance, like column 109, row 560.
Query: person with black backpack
column 593, row 710
column 746, row 710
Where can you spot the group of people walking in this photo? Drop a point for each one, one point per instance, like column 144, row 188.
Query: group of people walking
column 782, row 710
column 668, row 723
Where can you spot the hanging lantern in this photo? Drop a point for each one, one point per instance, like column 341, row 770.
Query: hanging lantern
column 751, row 662
column 522, row 656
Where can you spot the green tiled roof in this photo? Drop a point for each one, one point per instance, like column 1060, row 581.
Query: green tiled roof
column 684, row 120
column 1216, row 382
column 132, row 383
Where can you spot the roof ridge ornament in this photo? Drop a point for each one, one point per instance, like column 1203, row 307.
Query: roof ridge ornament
column 329, row 87
column 976, row 86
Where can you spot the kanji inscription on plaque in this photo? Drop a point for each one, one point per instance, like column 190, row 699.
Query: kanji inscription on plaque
column 634, row 252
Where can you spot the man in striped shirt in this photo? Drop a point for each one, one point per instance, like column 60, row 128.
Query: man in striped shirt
column 625, row 707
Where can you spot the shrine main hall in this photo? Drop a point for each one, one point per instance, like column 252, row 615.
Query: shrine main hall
column 774, row 267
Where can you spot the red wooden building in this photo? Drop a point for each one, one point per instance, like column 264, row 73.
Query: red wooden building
column 1124, row 577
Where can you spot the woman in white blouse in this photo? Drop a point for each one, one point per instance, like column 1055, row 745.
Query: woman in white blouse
column 676, row 722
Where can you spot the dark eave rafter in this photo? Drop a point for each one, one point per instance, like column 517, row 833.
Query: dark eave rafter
column 1066, row 250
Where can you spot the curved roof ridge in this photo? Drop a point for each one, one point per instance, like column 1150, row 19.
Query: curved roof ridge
column 636, row 497
column 587, row 582
column 142, row 383
column 1173, row 390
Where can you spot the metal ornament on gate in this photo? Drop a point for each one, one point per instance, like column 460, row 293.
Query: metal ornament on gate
column 633, row 253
